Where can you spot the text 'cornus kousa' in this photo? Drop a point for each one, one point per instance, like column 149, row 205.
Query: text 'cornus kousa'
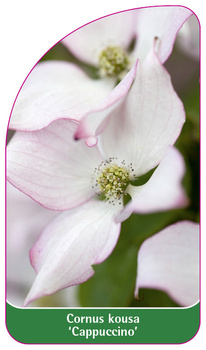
column 60, row 89
column 89, row 183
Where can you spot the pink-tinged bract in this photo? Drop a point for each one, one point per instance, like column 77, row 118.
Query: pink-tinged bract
column 65, row 252
column 169, row 261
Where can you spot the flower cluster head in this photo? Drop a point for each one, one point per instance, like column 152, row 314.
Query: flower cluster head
column 113, row 60
column 111, row 180
column 81, row 143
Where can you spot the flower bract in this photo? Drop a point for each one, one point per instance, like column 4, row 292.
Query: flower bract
column 57, row 89
column 169, row 261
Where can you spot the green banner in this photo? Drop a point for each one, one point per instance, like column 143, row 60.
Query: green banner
column 103, row 326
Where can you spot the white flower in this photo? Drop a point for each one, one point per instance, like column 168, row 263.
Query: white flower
column 118, row 30
column 63, row 174
column 57, row 89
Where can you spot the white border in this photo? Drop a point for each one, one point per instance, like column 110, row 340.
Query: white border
column 28, row 29
column 100, row 308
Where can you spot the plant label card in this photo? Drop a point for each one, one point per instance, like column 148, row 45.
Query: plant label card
column 102, row 184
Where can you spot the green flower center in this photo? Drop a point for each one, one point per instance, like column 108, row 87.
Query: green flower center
column 111, row 180
column 113, row 61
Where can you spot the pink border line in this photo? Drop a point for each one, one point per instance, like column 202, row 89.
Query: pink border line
column 132, row 9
